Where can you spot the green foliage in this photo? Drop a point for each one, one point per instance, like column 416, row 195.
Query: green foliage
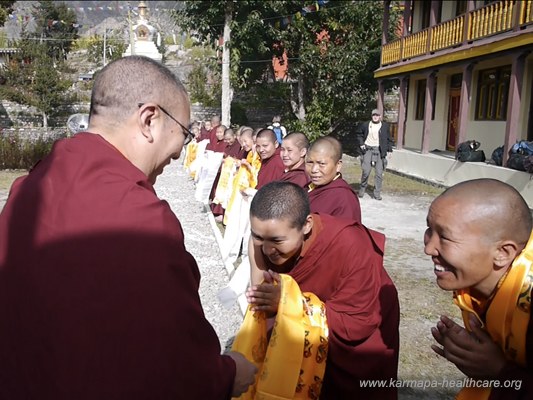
column 238, row 114
column 58, row 25
column 115, row 47
column 335, row 50
column 188, row 43
column 16, row 153
column 6, row 6
column 203, row 82
column 33, row 76
column 197, row 88
column 251, row 38
column 3, row 39
column 161, row 48
column 317, row 123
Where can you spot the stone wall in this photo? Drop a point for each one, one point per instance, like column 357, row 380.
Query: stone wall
column 14, row 115
column 34, row 133
column 201, row 113
column 257, row 117
column 26, row 121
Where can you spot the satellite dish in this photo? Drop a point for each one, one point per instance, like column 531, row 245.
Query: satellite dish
column 77, row 123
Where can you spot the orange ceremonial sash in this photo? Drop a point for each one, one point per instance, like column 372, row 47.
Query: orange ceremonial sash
column 291, row 364
column 507, row 317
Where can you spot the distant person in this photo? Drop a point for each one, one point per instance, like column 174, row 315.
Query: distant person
column 233, row 146
column 328, row 192
column 341, row 262
column 293, row 152
column 272, row 167
column 98, row 294
column 278, row 129
column 374, row 141
column 205, row 130
column 479, row 239
column 217, row 144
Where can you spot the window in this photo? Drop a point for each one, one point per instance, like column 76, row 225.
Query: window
column 421, row 99
column 425, row 14
column 460, row 7
column 493, row 93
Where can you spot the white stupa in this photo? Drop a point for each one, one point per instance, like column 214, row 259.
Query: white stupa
column 143, row 37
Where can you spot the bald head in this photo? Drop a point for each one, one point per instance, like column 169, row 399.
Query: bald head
column 124, row 83
column 247, row 132
column 267, row 134
column 215, row 121
column 499, row 207
column 281, row 201
column 328, row 145
column 298, row 139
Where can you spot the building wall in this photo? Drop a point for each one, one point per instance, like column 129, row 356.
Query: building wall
column 491, row 134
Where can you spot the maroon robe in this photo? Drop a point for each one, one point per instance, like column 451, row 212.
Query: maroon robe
column 204, row 134
column 342, row 263
column 213, row 134
column 218, row 146
column 336, row 198
column 98, row 294
column 298, row 176
column 272, row 169
column 235, row 150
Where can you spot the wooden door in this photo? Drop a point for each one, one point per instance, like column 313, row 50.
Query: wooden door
column 453, row 118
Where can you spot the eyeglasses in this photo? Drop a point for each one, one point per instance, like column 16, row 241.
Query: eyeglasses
column 188, row 134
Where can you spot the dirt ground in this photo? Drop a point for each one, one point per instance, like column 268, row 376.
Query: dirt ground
column 401, row 216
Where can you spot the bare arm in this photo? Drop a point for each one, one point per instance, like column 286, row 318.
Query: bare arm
column 257, row 265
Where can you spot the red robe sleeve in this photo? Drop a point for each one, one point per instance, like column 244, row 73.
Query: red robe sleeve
column 337, row 199
column 297, row 176
column 218, row 146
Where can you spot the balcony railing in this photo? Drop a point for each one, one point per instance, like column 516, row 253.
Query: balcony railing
column 492, row 19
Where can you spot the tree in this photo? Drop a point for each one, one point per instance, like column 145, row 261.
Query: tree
column 244, row 37
column 33, row 76
column 57, row 26
column 114, row 47
column 334, row 52
column 333, row 49
column 6, row 7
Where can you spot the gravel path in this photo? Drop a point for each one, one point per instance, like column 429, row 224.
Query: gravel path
column 177, row 189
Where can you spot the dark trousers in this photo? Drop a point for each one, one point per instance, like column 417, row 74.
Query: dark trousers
column 372, row 158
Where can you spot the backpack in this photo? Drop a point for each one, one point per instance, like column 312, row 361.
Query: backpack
column 528, row 164
column 279, row 133
column 468, row 151
column 522, row 147
column 497, row 156
column 516, row 161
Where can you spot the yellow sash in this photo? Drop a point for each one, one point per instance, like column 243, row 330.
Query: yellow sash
column 224, row 186
column 190, row 154
column 291, row 365
column 507, row 317
column 244, row 179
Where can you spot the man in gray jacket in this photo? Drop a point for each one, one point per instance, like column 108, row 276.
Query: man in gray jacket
column 374, row 141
